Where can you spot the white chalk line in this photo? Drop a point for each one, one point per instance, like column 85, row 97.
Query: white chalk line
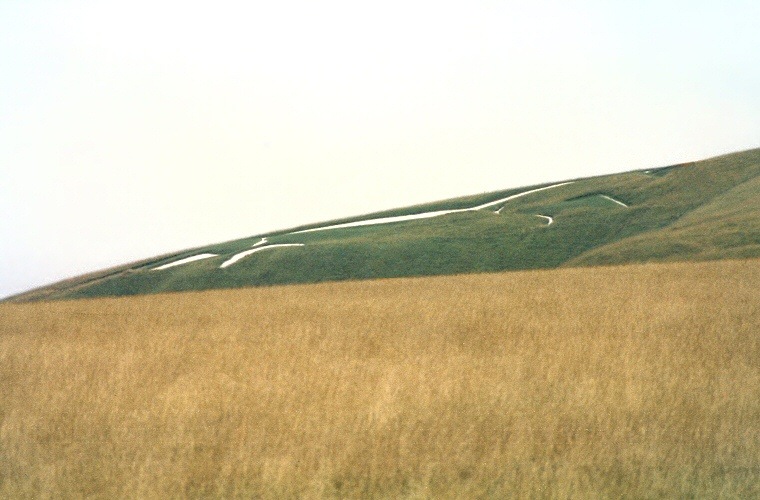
column 614, row 200
column 383, row 220
column 185, row 261
column 518, row 195
column 256, row 247
column 427, row 215
column 551, row 220
column 241, row 255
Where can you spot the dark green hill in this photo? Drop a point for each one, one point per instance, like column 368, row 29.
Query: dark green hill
column 694, row 211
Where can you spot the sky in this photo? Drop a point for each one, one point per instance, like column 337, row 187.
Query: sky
column 133, row 129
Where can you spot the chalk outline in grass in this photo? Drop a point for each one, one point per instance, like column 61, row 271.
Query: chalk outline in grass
column 613, row 200
column 550, row 219
column 246, row 253
column 427, row 215
column 186, row 260
column 262, row 244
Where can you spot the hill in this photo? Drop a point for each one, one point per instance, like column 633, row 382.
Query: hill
column 702, row 210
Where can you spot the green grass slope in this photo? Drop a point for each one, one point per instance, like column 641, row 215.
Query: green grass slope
column 694, row 211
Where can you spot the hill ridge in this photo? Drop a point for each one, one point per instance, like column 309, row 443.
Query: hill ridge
column 635, row 216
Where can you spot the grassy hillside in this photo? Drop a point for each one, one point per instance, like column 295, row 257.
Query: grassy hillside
column 727, row 226
column 640, row 381
column 696, row 211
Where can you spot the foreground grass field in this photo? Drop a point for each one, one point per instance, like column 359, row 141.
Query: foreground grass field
column 635, row 382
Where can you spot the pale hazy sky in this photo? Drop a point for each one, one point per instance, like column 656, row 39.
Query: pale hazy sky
column 134, row 128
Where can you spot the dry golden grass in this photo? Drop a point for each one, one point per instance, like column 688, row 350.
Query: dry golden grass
column 635, row 382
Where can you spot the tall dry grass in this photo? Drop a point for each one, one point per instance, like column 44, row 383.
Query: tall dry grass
column 634, row 382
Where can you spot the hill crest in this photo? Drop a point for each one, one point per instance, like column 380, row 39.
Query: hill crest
column 702, row 210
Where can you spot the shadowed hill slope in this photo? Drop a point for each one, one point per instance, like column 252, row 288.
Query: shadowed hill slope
column 694, row 211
